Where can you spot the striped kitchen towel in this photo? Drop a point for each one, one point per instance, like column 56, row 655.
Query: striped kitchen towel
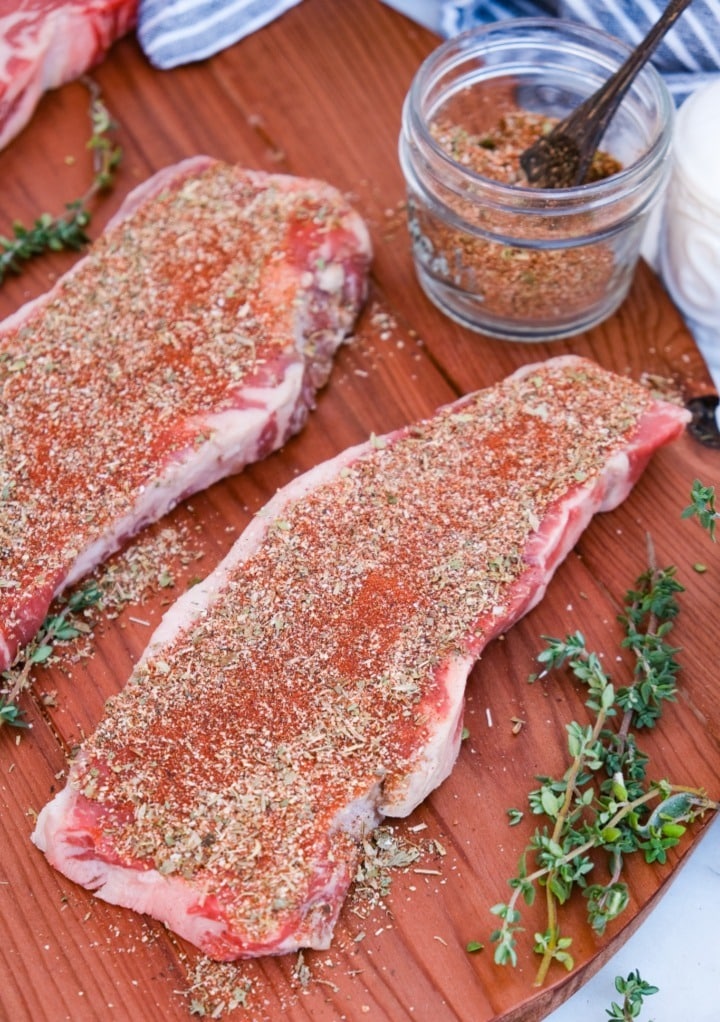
column 174, row 32
column 688, row 56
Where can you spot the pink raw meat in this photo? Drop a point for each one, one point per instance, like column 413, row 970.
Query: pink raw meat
column 188, row 343
column 45, row 43
column 314, row 682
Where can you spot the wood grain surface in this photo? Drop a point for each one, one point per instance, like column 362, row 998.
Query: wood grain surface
column 319, row 92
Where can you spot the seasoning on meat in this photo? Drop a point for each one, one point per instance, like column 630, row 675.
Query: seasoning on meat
column 315, row 681
column 188, row 343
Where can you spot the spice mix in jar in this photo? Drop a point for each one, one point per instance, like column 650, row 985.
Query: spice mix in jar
column 500, row 256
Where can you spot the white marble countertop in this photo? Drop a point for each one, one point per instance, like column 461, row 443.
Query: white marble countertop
column 677, row 948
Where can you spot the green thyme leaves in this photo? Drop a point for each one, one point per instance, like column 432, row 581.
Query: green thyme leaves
column 603, row 808
column 64, row 625
column 634, row 990
column 54, row 233
column 702, row 507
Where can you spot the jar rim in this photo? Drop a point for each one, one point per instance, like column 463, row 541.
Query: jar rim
column 530, row 31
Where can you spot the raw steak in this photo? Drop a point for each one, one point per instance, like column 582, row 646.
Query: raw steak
column 188, row 343
column 315, row 681
column 45, row 43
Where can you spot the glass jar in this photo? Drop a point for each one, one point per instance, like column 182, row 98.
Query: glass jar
column 507, row 259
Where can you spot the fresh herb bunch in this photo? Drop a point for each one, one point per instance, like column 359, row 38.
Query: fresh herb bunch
column 634, row 990
column 63, row 626
column 604, row 802
column 702, row 507
column 54, row 233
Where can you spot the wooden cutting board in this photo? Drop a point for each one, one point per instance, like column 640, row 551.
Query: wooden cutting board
column 319, row 92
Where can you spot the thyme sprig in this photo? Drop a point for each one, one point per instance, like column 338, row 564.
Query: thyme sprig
column 63, row 625
column 67, row 231
column 702, row 507
column 634, row 990
column 604, row 802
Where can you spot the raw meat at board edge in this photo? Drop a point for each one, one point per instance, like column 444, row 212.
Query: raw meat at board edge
column 314, row 682
column 46, row 43
column 188, row 343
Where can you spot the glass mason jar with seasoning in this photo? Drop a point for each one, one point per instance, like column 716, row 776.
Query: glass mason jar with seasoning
column 502, row 257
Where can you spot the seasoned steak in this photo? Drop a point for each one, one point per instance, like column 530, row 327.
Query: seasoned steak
column 188, row 343
column 315, row 681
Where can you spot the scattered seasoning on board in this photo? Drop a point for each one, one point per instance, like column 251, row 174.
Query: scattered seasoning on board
column 502, row 262
column 327, row 641
column 150, row 563
column 384, row 852
column 215, row 990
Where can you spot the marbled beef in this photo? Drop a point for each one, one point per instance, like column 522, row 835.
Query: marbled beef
column 45, row 43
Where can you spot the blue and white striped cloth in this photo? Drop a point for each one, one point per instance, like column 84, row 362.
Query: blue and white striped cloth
column 687, row 57
column 174, row 32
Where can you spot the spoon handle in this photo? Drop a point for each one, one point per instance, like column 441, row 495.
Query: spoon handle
column 603, row 103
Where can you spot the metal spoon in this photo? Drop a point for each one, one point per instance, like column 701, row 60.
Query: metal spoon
column 562, row 158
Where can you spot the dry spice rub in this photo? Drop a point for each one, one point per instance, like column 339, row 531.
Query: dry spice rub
column 496, row 153
column 323, row 687
column 221, row 297
column 524, row 280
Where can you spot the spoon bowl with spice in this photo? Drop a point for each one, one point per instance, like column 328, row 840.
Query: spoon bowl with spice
column 494, row 252
column 562, row 157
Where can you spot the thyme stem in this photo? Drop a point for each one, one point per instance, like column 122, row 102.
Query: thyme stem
column 603, row 802
column 57, row 627
column 697, row 804
column 67, row 231
column 560, row 825
column 702, row 507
